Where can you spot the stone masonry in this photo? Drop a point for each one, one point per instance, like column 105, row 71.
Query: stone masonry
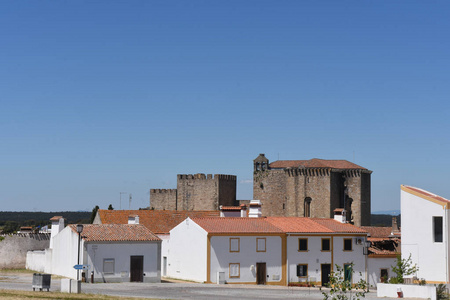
column 196, row 192
column 312, row 188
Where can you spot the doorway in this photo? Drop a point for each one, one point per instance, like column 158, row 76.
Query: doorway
column 326, row 271
column 260, row 273
column 137, row 268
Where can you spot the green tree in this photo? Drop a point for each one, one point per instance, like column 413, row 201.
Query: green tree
column 110, row 207
column 402, row 268
column 94, row 213
column 11, row 227
column 341, row 288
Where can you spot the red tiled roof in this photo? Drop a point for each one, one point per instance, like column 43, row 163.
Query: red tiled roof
column 158, row 221
column 56, row 218
column 315, row 163
column 378, row 232
column 115, row 232
column 236, row 225
column 376, row 251
column 424, row 193
column 231, row 208
column 313, row 225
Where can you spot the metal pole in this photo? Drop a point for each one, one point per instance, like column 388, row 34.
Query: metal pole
column 78, row 271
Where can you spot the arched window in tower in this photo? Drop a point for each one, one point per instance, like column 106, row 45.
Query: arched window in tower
column 348, row 208
column 307, row 207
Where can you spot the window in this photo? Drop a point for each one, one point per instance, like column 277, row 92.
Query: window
column 234, row 244
column 302, row 244
column 325, row 244
column 347, row 244
column 234, row 270
column 437, row 228
column 384, row 275
column 348, row 272
column 108, row 266
column 307, row 207
column 302, row 270
column 260, row 244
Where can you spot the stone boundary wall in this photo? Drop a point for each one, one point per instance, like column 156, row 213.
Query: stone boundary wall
column 14, row 248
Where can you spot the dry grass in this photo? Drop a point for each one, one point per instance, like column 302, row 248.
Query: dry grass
column 23, row 271
column 21, row 295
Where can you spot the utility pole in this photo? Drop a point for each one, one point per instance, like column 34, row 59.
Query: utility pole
column 120, row 204
column 129, row 203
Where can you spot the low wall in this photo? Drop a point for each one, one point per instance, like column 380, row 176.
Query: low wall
column 40, row 261
column 14, row 248
column 409, row 291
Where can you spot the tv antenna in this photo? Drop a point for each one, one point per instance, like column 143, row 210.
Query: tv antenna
column 129, row 202
column 120, row 203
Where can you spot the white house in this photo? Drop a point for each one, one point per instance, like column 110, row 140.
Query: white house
column 425, row 233
column 272, row 250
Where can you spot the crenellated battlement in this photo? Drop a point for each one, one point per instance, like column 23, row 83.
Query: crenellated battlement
column 201, row 176
column 308, row 171
column 163, row 191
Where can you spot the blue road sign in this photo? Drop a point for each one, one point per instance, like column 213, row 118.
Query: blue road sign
column 78, row 267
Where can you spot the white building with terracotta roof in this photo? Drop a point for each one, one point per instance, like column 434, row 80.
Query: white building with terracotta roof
column 425, row 233
column 272, row 250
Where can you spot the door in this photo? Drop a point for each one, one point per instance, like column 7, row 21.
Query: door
column 137, row 268
column 260, row 273
column 326, row 270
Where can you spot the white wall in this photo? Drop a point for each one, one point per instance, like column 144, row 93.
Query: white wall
column 247, row 256
column 375, row 264
column 65, row 253
column 40, row 261
column 165, row 251
column 314, row 257
column 187, row 259
column 96, row 252
column 418, row 237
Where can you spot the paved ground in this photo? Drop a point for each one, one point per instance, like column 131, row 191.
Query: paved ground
column 169, row 290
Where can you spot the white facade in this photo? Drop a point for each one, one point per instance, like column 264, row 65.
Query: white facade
column 419, row 209
column 375, row 265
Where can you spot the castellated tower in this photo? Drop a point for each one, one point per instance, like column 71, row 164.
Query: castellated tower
column 312, row 188
column 196, row 192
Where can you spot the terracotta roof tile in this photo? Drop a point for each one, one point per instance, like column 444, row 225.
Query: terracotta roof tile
column 315, row 163
column 313, row 225
column 236, row 225
column 378, row 232
column 56, row 218
column 231, row 208
column 157, row 221
column 115, row 232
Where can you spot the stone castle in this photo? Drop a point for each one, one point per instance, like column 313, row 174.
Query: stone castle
column 312, row 188
column 196, row 192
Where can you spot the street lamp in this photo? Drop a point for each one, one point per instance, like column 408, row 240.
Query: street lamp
column 79, row 230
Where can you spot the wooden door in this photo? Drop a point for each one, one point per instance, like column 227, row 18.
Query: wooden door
column 326, row 270
column 137, row 268
column 260, row 273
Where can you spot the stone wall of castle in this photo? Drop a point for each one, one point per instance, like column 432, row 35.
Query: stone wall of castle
column 163, row 199
column 196, row 192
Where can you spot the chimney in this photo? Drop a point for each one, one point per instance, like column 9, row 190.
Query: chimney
column 57, row 226
column 254, row 209
column 133, row 219
column 395, row 229
column 221, row 211
column 243, row 210
column 340, row 215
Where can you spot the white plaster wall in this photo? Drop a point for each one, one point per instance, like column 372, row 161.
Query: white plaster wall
column 221, row 257
column 417, row 237
column 65, row 253
column 375, row 264
column 96, row 252
column 408, row 291
column 40, row 261
column 187, row 259
column 356, row 256
column 165, row 251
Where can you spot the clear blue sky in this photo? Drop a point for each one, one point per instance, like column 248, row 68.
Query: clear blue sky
column 103, row 97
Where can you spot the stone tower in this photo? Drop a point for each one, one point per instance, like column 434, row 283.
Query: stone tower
column 196, row 192
column 312, row 188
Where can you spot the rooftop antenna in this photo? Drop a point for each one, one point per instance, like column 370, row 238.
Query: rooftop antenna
column 120, row 203
column 129, row 203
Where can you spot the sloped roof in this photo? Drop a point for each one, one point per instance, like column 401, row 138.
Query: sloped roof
column 315, row 163
column 378, row 232
column 157, row 221
column 312, row 225
column 115, row 232
column 236, row 225
column 424, row 194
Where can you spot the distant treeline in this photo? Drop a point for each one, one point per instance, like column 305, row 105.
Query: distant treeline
column 384, row 220
column 11, row 221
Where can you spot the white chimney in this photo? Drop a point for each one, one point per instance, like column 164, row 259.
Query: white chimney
column 255, row 209
column 133, row 219
column 243, row 210
column 57, row 226
column 340, row 215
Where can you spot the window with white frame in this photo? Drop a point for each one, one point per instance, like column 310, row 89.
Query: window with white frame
column 234, row 270
column 260, row 244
